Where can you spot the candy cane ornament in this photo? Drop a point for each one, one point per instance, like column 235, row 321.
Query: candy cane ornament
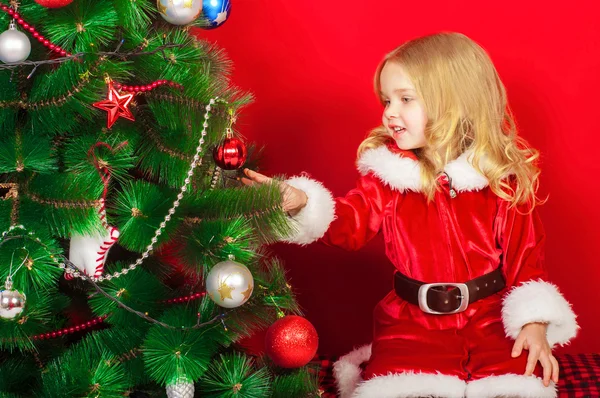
column 89, row 252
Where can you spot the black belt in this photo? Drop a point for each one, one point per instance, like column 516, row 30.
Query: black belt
column 447, row 298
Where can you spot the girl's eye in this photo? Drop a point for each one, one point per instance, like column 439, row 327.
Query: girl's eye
column 406, row 99
column 386, row 102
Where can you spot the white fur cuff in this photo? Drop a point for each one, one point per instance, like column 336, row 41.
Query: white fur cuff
column 346, row 370
column 313, row 220
column 539, row 301
column 510, row 385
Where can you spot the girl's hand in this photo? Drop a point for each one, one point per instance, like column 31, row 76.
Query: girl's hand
column 533, row 338
column 294, row 199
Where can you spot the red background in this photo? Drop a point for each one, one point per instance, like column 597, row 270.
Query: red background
column 310, row 65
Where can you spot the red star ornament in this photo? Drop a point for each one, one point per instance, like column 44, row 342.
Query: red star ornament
column 116, row 105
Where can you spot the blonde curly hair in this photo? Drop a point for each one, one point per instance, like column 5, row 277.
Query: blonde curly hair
column 467, row 109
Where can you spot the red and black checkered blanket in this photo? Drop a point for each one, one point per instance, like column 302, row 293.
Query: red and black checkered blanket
column 579, row 376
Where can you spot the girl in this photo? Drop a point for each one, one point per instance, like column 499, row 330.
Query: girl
column 453, row 188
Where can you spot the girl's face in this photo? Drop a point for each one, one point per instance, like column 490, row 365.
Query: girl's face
column 404, row 115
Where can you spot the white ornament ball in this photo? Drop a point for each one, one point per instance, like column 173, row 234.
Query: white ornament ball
column 229, row 284
column 179, row 12
column 180, row 390
column 14, row 46
column 12, row 303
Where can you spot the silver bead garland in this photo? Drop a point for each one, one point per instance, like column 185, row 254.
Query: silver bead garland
column 195, row 163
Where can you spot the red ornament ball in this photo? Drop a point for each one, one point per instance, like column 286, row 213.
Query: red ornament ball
column 54, row 3
column 230, row 154
column 291, row 342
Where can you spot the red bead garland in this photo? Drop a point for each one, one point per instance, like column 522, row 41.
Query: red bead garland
column 183, row 299
column 28, row 27
column 72, row 329
column 147, row 87
column 100, row 319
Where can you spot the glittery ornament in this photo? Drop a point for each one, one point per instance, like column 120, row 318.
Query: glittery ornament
column 231, row 153
column 179, row 12
column 12, row 302
column 291, row 342
column 54, row 3
column 181, row 389
column 229, row 284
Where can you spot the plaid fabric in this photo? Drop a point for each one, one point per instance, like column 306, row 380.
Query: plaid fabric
column 326, row 379
column 579, row 376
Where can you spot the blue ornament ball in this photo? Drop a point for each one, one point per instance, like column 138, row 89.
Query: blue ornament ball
column 215, row 12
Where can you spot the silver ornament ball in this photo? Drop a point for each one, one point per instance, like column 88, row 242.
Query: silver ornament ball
column 179, row 12
column 14, row 46
column 12, row 303
column 180, row 390
column 229, row 284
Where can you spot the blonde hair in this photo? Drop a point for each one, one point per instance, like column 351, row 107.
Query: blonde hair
column 467, row 109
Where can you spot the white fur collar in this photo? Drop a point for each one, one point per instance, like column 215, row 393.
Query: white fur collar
column 405, row 174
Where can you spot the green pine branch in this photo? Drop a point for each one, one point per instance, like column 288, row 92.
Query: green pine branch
column 235, row 376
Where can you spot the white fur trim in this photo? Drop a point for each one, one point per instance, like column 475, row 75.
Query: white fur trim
column 411, row 385
column 539, row 301
column 510, row 385
column 404, row 174
column 346, row 370
column 314, row 219
column 464, row 176
column 398, row 172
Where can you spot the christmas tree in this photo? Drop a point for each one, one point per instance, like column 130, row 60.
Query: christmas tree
column 132, row 259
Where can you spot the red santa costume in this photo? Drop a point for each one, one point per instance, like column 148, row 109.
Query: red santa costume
column 465, row 232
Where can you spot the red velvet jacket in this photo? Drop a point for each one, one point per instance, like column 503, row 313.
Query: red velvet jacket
column 445, row 240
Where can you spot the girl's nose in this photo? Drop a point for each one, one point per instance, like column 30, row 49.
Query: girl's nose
column 391, row 114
